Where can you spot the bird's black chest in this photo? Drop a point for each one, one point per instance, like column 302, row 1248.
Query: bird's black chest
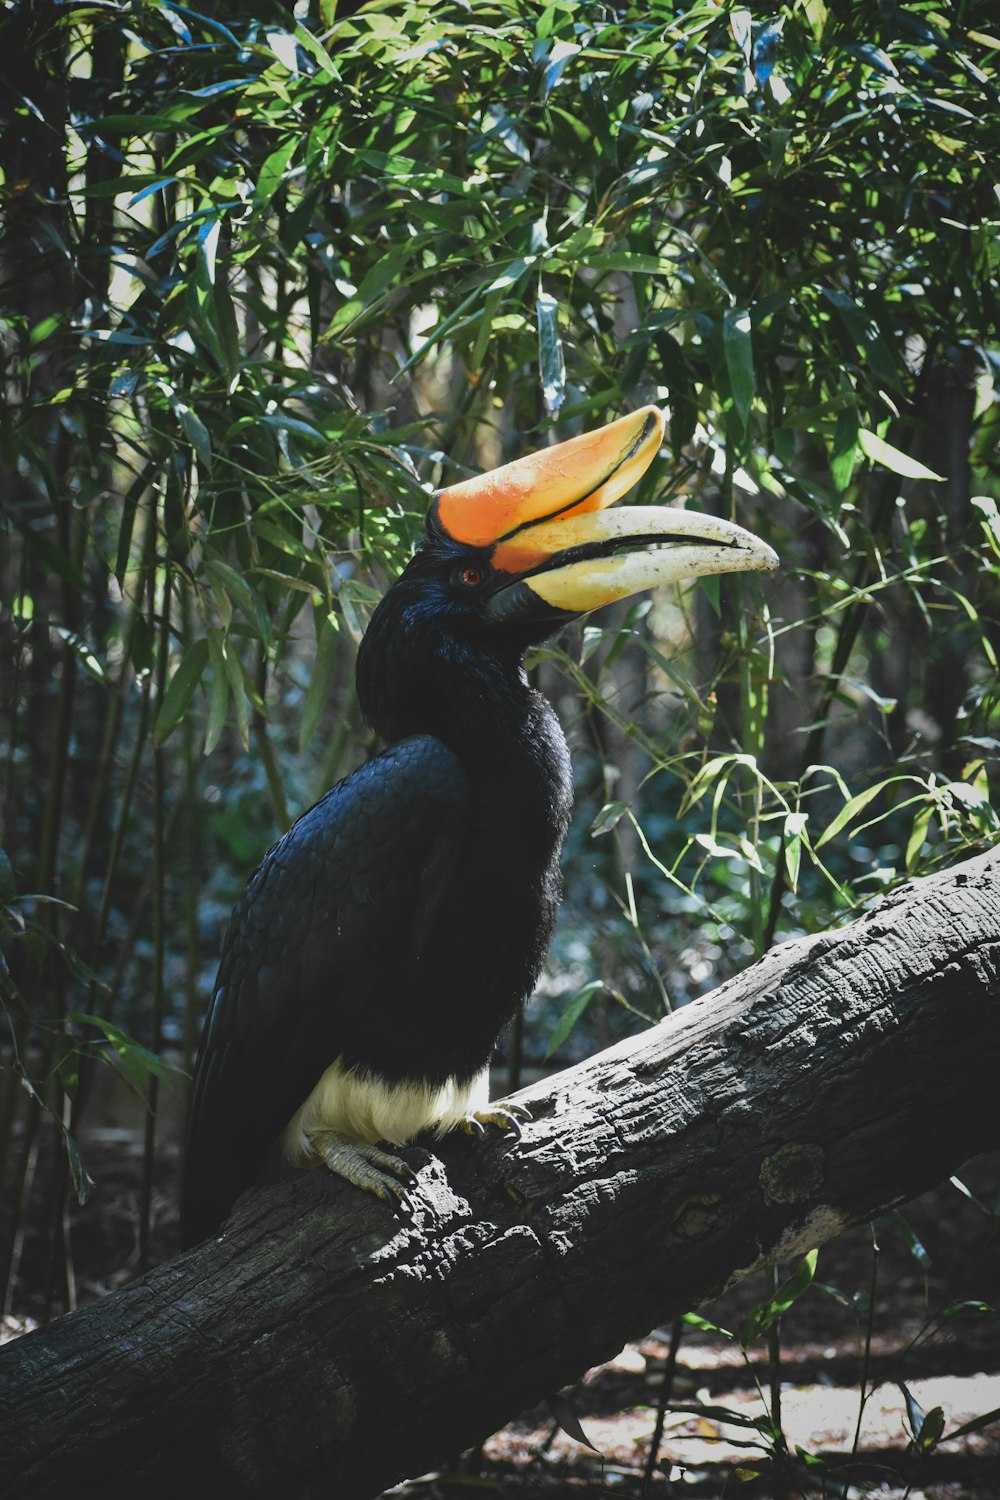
column 481, row 956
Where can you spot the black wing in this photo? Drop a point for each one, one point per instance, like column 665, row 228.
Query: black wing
column 324, row 938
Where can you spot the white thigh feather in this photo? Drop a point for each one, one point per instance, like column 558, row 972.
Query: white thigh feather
column 366, row 1110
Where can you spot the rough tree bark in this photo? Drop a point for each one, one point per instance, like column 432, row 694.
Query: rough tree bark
column 327, row 1344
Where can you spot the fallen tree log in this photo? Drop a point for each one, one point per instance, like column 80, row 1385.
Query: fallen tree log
column 328, row 1344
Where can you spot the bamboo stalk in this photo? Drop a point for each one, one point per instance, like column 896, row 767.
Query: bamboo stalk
column 159, row 938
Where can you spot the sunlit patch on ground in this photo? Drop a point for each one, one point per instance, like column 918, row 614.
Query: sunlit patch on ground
column 701, row 1455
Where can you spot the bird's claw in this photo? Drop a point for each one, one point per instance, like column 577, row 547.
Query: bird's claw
column 506, row 1116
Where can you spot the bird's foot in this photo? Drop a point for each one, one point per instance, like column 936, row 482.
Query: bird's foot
column 367, row 1167
column 507, row 1116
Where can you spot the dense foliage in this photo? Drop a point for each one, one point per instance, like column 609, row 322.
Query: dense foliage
column 267, row 278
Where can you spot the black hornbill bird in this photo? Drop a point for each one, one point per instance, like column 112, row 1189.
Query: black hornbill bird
column 384, row 943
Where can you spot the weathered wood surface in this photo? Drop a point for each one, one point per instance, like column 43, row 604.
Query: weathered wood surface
column 327, row 1344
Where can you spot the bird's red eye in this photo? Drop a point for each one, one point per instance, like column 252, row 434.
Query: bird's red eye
column 471, row 577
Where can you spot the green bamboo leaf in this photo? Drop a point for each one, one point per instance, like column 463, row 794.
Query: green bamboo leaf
column 452, row 321
column 795, row 827
column 750, row 853
column 918, row 835
column 283, row 45
column 287, row 581
column 551, row 364
column 874, row 56
column 292, row 424
column 206, row 255
column 180, row 690
column 316, row 50
column 82, row 1180
column 842, row 1298
column 498, row 125
column 986, row 1419
column 914, row 1411
column 908, row 1234
column 126, row 521
column 320, row 677
column 68, row 1064
column 510, row 276
column 491, row 304
column 865, row 334
column 566, row 1417
column 214, row 315
column 272, row 172
column 574, row 1010
column 767, row 1314
column 244, row 593
column 608, row 817
column 132, row 125
column 931, row 1429
column 512, row 273
column 138, row 1062
column 623, row 260
column 153, row 187
column 84, row 653
column 238, row 687
column 844, row 452
column 43, row 329
column 396, row 164
column 728, row 1414
column 881, row 452
column 695, row 1320
column 555, row 63
column 112, row 187
column 711, row 846
column 356, row 601
column 851, row 809
column 228, row 332
column 741, row 26
column 192, row 427
column 703, row 779
column 289, row 542
column 989, row 518
column 737, row 343
column 219, row 700
column 380, row 282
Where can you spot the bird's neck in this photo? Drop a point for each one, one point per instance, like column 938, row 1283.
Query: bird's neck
column 478, row 702
column 514, row 752
column 480, row 706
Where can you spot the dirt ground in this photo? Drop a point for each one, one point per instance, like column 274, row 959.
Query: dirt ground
column 942, row 1252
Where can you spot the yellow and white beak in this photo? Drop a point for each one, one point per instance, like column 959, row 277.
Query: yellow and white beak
column 555, row 548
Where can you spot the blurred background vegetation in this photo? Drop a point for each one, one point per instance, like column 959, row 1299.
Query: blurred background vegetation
column 268, row 278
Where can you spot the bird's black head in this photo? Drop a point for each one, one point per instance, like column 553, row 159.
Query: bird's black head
column 430, row 641
column 510, row 556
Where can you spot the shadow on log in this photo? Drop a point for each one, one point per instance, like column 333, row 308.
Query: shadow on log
column 327, row 1344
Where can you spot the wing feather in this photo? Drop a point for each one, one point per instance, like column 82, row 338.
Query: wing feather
column 322, row 943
